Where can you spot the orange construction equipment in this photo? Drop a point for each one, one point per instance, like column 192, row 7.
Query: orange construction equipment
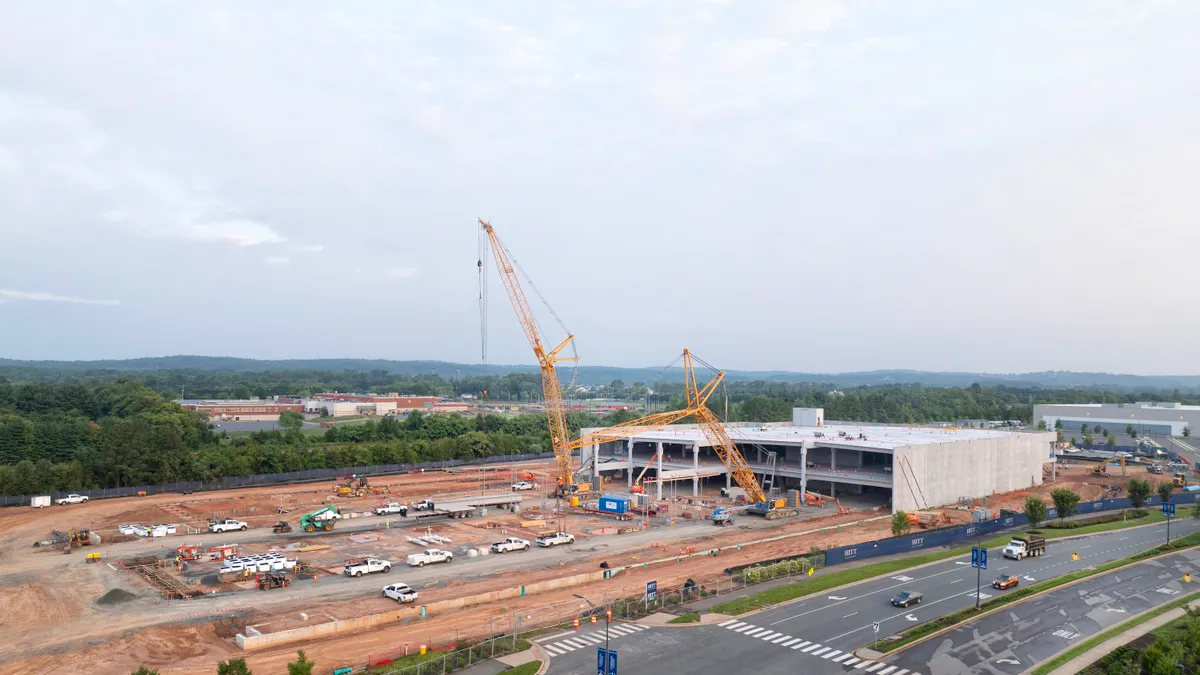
column 813, row 499
column 189, row 552
column 222, row 552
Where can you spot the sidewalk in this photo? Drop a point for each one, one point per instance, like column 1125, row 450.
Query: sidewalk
column 1099, row 651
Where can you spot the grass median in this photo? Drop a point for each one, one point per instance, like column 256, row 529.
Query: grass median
column 817, row 584
column 1083, row 647
column 922, row 630
column 525, row 668
column 691, row 617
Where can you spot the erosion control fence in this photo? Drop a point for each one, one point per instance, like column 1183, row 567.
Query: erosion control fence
column 950, row 536
column 264, row 479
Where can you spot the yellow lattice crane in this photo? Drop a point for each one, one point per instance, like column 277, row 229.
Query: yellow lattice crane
column 552, row 389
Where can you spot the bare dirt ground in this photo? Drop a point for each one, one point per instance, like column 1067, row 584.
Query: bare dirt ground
column 55, row 622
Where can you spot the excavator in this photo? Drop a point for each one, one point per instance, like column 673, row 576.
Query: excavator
column 548, row 361
column 1102, row 468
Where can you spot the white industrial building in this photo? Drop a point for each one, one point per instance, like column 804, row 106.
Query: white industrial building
column 334, row 408
column 1147, row 418
column 909, row 467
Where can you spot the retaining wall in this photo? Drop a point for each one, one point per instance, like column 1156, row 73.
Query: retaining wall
column 283, row 637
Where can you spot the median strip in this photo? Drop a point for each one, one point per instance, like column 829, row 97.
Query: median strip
column 928, row 629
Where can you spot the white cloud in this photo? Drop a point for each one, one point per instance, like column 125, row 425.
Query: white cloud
column 311, row 248
column 63, row 153
column 38, row 296
column 277, row 260
column 400, row 272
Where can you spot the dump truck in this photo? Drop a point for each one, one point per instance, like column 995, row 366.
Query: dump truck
column 1025, row 547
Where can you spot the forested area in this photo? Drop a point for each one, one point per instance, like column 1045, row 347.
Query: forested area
column 58, row 435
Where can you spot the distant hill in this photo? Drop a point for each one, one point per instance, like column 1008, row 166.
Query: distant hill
column 604, row 374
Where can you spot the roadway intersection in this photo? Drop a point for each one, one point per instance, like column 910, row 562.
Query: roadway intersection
column 820, row 633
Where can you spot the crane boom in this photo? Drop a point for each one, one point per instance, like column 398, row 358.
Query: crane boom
column 556, row 412
column 716, row 434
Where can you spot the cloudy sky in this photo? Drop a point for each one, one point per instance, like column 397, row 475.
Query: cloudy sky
column 810, row 185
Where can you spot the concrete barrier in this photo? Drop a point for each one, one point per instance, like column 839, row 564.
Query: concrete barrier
column 266, row 640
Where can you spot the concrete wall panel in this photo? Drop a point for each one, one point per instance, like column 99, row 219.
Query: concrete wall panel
column 933, row 475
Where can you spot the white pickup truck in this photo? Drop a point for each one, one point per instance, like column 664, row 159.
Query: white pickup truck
column 430, row 555
column 555, row 538
column 357, row 567
column 226, row 525
column 524, row 485
column 71, row 499
column 401, row 593
column 423, row 505
column 510, row 544
column 390, row 509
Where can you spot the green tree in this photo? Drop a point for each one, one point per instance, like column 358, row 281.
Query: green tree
column 1058, row 424
column 1073, row 440
column 1059, row 436
column 1087, row 438
column 233, row 667
column 1162, row 658
column 1065, row 502
column 1130, row 431
column 1139, row 492
column 143, row 670
column 1035, row 511
column 290, row 420
column 1196, row 511
column 301, row 666
column 1104, row 432
column 900, row 524
column 1083, row 429
column 1041, row 425
column 1187, row 431
column 1111, row 441
column 1165, row 488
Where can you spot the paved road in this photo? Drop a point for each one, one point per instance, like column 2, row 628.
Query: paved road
column 819, row 634
column 1012, row 640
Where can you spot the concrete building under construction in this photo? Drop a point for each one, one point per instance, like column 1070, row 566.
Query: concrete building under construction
column 909, row 467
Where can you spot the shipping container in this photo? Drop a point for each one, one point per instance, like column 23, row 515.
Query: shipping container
column 614, row 504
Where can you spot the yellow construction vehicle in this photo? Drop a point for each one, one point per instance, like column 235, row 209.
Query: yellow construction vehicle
column 351, row 487
column 1102, row 468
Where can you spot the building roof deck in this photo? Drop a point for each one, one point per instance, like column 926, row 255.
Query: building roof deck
column 877, row 437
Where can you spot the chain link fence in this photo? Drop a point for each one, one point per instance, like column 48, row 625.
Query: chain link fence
column 266, row 479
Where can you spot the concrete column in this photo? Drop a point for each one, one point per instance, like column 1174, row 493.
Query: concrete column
column 833, row 459
column 630, row 476
column 860, row 458
column 696, row 468
column 658, row 448
column 728, row 479
column 832, row 490
column 803, row 469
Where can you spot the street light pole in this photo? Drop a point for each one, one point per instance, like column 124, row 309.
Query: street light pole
column 978, row 568
column 607, row 620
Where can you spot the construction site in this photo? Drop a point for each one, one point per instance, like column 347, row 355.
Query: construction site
column 179, row 581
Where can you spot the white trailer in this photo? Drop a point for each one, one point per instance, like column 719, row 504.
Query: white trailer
column 40, row 501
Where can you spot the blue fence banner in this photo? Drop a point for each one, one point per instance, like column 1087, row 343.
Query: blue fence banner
column 961, row 534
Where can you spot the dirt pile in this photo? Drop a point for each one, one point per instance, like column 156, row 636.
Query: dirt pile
column 116, row 596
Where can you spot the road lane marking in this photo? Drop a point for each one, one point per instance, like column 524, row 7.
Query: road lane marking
column 862, row 664
column 638, row 626
column 810, row 648
column 949, row 597
column 769, row 635
column 743, row 629
column 820, row 651
column 956, row 581
column 564, row 645
column 577, row 642
column 887, row 670
column 781, row 638
column 849, row 662
column 727, row 624
column 886, row 588
column 843, row 657
column 902, row 671
column 875, row 667
column 849, row 615
column 806, row 642
column 552, row 650
column 756, row 631
column 791, row 642
column 830, row 654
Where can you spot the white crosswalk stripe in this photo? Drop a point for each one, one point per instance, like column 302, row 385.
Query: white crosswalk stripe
column 850, row 661
column 831, row 654
column 725, row 624
column 566, row 645
column 733, row 625
column 638, row 626
column 811, row 647
column 887, row 670
column 862, row 664
column 756, row 632
column 553, row 651
column 843, row 657
column 791, row 642
column 591, row 638
column 745, row 628
column 768, row 636
column 821, row 651
column 801, row 645
column 902, row 671
column 781, row 638
column 875, row 667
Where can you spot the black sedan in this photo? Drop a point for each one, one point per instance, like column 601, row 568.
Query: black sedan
column 906, row 598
